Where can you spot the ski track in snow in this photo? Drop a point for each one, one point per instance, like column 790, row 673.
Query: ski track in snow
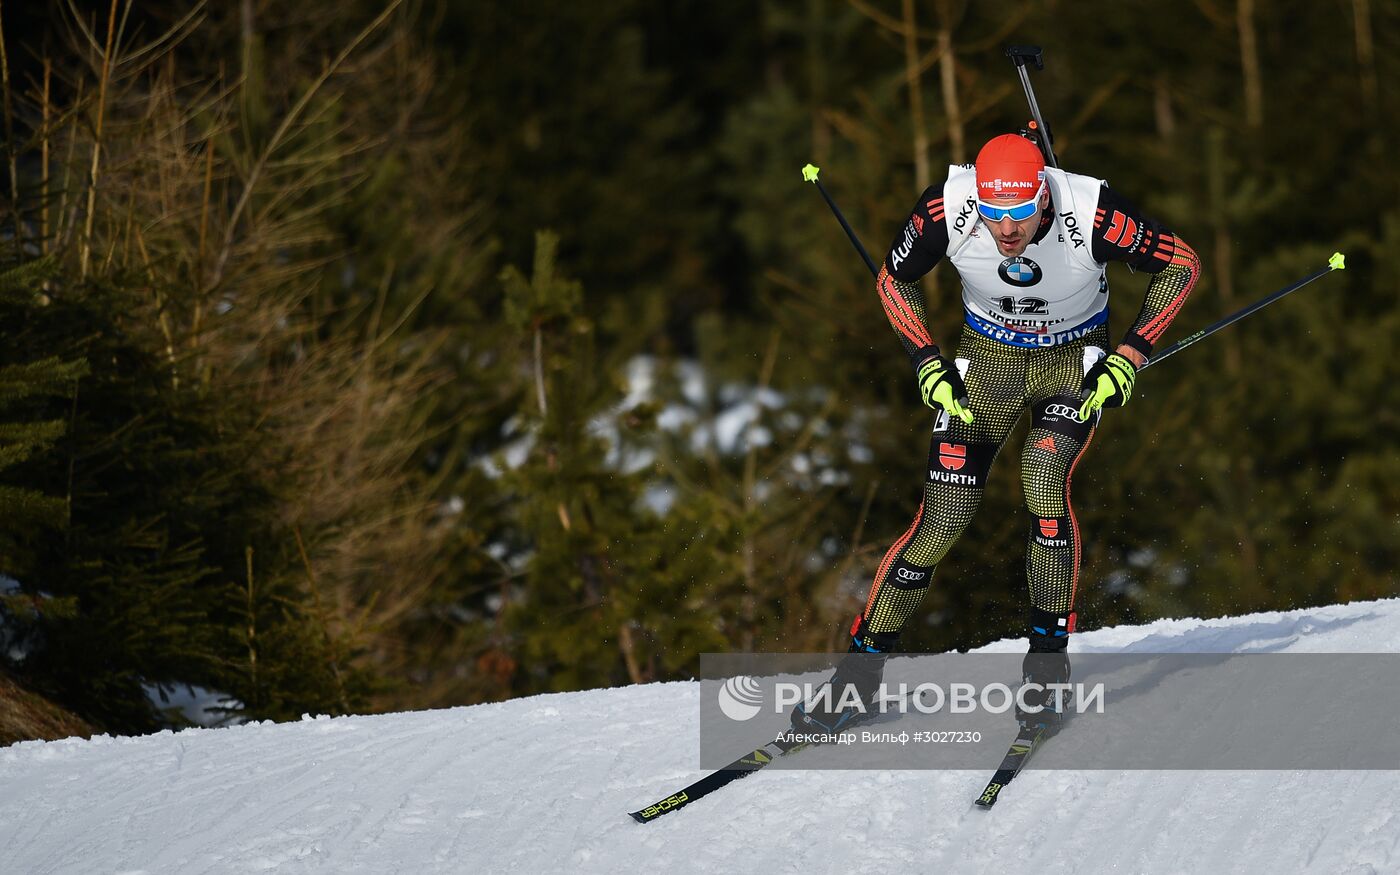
column 544, row 784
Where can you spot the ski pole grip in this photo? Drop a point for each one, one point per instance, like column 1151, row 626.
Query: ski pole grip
column 1019, row 55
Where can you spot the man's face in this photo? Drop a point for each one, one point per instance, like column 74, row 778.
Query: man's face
column 1013, row 237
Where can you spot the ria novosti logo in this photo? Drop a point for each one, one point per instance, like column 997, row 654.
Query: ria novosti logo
column 740, row 698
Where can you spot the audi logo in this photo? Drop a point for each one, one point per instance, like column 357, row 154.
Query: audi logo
column 1063, row 410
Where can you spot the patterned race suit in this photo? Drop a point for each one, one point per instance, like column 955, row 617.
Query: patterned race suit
column 1034, row 325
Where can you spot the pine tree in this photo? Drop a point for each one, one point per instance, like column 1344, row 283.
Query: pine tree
column 31, row 394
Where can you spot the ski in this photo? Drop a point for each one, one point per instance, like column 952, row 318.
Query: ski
column 1027, row 740
column 740, row 768
column 789, row 741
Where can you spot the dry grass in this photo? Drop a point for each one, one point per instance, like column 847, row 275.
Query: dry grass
column 219, row 197
column 26, row 715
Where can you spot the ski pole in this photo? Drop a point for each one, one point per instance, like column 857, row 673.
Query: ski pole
column 1336, row 262
column 809, row 173
column 1019, row 55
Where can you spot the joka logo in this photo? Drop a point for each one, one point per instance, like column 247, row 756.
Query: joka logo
column 952, row 456
column 740, row 697
column 1049, row 528
column 964, row 214
column 1075, row 235
column 1020, row 272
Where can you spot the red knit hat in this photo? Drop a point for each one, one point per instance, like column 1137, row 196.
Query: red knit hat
column 1010, row 170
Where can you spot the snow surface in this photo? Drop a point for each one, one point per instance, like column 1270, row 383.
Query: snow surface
column 544, row 784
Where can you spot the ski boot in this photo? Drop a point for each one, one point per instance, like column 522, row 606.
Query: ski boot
column 857, row 677
column 1046, row 663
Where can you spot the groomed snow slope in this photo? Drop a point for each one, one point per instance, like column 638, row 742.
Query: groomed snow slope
column 544, row 785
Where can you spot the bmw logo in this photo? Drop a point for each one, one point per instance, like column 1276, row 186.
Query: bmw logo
column 1020, row 272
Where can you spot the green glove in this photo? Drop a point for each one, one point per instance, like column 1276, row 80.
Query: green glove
column 1109, row 383
column 943, row 389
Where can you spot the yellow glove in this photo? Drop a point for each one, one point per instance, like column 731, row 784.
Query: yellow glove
column 1109, row 383
column 942, row 387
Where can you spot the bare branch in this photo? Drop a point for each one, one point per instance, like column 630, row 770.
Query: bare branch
column 288, row 120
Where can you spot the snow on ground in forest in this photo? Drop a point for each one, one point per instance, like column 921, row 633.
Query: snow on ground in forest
column 544, row 784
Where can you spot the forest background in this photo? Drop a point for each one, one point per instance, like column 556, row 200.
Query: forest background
column 396, row 354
